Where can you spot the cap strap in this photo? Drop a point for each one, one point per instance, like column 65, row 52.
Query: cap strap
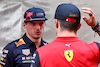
column 70, row 20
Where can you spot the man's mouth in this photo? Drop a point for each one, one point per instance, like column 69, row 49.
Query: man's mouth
column 38, row 33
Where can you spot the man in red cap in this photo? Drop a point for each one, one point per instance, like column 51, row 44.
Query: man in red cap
column 19, row 52
column 67, row 50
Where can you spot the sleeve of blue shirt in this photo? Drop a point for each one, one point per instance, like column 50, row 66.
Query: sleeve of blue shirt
column 7, row 57
column 35, row 60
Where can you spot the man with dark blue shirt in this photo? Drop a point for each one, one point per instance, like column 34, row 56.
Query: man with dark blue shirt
column 19, row 52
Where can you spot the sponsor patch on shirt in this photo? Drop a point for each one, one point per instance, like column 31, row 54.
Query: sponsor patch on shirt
column 20, row 42
column 27, row 59
column 5, row 51
column 1, row 66
column 2, row 63
column 68, row 55
column 4, row 55
column 3, row 59
column 26, row 51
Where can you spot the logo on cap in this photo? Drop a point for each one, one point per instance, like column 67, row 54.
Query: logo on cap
column 29, row 14
column 71, row 20
column 39, row 14
column 34, row 14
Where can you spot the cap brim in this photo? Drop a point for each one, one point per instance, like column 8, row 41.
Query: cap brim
column 51, row 19
column 35, row 19
column 39, row 19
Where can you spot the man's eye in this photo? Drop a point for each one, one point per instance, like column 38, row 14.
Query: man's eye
column 41, row 23
column 33, row 23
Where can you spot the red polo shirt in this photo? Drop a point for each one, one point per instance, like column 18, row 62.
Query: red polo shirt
column 68, row 52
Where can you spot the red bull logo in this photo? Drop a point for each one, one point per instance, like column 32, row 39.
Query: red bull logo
column 29, row 14
column 20, row 42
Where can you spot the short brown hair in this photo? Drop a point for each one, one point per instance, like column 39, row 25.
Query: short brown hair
column 70, row 26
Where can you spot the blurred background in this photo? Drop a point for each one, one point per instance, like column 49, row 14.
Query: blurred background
column 12, row 11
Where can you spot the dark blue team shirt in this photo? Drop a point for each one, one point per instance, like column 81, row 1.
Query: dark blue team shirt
column 19, row 53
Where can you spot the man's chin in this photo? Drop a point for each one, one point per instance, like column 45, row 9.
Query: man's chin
column 36, row 37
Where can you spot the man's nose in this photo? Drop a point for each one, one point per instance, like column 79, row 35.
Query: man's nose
column 37, row 26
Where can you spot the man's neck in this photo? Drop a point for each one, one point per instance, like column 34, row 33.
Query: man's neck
column 36, row 41
column 66, row 34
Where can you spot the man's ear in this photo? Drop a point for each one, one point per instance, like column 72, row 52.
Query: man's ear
column 24, row 24
column 45, row 23
column 79, row 26
column 56, row 23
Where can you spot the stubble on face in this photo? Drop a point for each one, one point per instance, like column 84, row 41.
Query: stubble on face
column 34, row 36
column 34, row 33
